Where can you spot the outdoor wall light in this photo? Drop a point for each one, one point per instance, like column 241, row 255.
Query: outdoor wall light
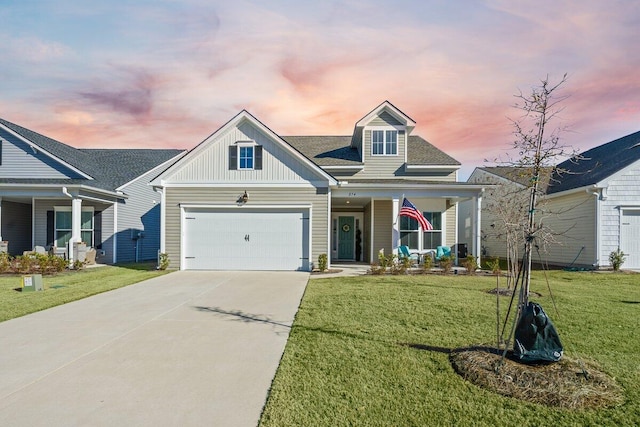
column 245, row 197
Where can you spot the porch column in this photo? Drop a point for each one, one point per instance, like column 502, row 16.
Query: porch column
column 76, row 225
column 478, row 228
column 395, row 233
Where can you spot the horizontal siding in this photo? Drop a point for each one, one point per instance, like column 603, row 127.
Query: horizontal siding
column 385, row 118
column 623, row 190
column 257, row 196
column 450, row 225
column 16, row 226
column 573, row 221
column 382, row 227
column 141, row 211
column 40, row 223
column 19, row 160
column 382, row 166
column 212, row 163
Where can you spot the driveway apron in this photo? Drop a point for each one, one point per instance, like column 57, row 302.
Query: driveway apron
column 184, row 349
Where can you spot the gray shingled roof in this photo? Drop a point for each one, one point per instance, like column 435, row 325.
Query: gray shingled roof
column 337, row 151
column 119, row 166
column 597, row 164
column 326, row 150
column 520, row 175
column 422, row 152
column 110, row 168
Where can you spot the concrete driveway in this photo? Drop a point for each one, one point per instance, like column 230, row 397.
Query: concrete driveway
column 184, row 349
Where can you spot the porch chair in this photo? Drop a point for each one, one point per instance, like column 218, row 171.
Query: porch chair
column 403, row 252
column 442, row 251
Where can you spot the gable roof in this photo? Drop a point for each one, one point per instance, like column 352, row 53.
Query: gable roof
column 237, row 120
column 338, row 151
column 596, row 164
column 391, row 109
column 106, row 169
column 62, row 152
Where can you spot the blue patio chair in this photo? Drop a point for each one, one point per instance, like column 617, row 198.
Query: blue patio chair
column 442, row 251
column 403, row 252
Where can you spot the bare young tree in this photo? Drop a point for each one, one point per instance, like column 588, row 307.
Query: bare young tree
column 539, row 150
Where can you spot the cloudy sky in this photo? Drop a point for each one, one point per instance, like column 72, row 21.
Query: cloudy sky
column 168, row 73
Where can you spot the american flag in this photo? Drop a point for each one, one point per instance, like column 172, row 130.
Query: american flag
column 408, row 209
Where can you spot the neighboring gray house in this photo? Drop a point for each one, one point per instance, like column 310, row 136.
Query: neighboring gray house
column 247, row 198
column 52, row 193
column 594, row 205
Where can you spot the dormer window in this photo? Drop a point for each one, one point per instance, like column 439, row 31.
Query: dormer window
column 384, row 142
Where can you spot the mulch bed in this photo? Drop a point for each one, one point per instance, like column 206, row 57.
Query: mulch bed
column 568, row 384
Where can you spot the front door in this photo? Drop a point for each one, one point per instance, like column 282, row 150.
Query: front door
column 346, row 237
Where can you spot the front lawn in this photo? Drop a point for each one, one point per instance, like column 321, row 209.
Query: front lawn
column 68, row 286
column 373, row 351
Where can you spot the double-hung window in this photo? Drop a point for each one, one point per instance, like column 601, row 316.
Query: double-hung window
column 63, row 226
column 384, row 142
column 410, row 232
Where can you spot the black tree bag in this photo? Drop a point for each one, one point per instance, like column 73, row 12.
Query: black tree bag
column 536, row 339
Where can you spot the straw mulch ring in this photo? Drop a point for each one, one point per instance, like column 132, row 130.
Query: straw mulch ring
column 563, row 384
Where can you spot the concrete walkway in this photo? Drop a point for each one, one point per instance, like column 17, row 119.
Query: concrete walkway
column 185, row 349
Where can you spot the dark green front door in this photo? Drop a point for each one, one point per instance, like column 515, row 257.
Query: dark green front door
column 346, row 235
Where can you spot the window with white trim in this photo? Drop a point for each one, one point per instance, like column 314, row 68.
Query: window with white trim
column 62, row 225
column 384, row 142
column 410, row 232
column 245, row 157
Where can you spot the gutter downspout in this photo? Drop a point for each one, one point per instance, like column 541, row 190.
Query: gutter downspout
column 595, row 191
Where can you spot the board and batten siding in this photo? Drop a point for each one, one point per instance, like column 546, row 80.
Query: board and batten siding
column 41, row 206
column 623, row 191
column 19, row 160
column 212, row 163
column 140, row 211
column 257, row 197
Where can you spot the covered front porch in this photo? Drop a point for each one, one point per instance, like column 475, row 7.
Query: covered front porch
column 365, row 218
column 54, row 217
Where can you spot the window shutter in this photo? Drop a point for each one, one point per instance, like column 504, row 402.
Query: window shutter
column 50, row 229
column 233, row 157
column 258, row 157
column 97, row 229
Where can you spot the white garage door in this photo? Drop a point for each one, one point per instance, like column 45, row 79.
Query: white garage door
column 242, row 239
column 630, row 238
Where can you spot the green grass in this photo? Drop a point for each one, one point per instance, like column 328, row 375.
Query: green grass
column 68, row 286
column 345, row 364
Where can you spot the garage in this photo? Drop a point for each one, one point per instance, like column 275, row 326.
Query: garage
column 245, row 239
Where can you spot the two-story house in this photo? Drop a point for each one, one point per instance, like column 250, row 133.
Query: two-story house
column 52, row 194
column 248, row 198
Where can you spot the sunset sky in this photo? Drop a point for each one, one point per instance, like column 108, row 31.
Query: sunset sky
column 168, row 73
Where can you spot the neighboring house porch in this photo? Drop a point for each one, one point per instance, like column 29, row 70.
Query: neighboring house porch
column 52, row 194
